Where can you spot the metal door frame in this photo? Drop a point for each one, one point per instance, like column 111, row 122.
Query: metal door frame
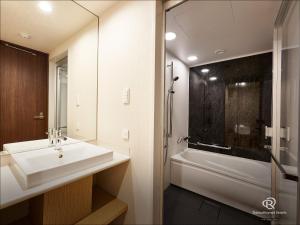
column 276, row 101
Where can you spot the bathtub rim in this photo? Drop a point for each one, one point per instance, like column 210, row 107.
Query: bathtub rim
column 179, row 158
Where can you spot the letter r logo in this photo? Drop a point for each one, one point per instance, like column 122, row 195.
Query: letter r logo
column 269, row 203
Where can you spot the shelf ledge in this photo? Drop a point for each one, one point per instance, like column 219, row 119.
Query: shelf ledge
column 106, row 208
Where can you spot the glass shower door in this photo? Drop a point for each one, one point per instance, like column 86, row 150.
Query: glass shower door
column 286, row 107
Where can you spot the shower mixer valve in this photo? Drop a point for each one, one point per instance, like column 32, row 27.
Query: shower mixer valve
column 183, row 139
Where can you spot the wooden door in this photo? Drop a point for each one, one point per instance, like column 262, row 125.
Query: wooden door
column 23, row 94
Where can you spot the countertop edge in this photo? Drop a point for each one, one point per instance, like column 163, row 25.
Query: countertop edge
column 21, row 195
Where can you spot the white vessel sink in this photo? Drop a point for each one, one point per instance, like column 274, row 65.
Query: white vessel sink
column 32, row 145
column 36, row 167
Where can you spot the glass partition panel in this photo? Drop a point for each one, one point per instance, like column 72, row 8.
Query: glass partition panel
column 289, row 121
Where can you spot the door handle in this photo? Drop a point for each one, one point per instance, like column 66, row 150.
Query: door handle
column 39, row 117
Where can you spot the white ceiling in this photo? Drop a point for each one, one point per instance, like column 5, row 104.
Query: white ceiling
column 47, row 30
column 238, row 27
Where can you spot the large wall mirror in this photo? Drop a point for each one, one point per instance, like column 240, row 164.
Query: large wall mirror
column 48, row 70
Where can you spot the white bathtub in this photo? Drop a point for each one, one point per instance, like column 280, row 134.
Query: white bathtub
column 238, row 182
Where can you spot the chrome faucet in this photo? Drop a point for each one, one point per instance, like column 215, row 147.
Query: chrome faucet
column 51, row 136
column 57, row 142
column 55, row 139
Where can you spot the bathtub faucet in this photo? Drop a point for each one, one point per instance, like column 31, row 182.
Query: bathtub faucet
column 183, row 139
column 186, row 138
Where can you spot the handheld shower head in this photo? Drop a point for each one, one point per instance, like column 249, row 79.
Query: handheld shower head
column 172, row 84
column 175, row 78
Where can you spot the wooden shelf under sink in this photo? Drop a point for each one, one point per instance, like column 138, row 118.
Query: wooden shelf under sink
column 77, row 201
column 106, row 208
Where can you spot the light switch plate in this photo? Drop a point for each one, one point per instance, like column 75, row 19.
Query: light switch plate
column 125, row 134
column 77, row 101
column 126, row 96
column 77, row 126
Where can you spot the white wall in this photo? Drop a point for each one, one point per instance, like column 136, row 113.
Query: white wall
column 81, row 50
column 180, row 108
column 127, row 60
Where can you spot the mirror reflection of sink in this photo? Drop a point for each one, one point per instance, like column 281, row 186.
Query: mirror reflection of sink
column 36, row 167
column 32, row 145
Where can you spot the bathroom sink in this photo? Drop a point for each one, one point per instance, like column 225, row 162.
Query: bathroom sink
column 32, row 145
column 36, row 167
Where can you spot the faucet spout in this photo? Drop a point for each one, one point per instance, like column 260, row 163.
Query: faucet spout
column 51, row 136
column 57, row 141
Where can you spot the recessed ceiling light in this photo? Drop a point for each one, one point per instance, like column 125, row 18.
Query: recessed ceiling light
column 219, row 51
column 192, row 58
column 25, row 35
column 170, row 36
column 45, row 6
column 213, row 78
column 205, row 70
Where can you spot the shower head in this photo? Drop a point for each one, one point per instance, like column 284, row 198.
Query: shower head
column 175, row 78
column 171, row 91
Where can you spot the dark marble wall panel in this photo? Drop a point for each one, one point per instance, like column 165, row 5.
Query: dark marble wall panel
column 233, row 109
column 206, row 110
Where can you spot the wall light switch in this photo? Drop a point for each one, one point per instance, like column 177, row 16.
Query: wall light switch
column 77, row 126
column 77, row 101
column 125, row 134
column 126, row 96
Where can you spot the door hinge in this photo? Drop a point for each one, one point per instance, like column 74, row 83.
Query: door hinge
column 284, row 133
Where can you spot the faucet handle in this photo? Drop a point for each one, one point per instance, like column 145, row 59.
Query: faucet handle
column 186, row 138
column 60, row 136
column 59, row 133
column 49, row 132
column 51, row 135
